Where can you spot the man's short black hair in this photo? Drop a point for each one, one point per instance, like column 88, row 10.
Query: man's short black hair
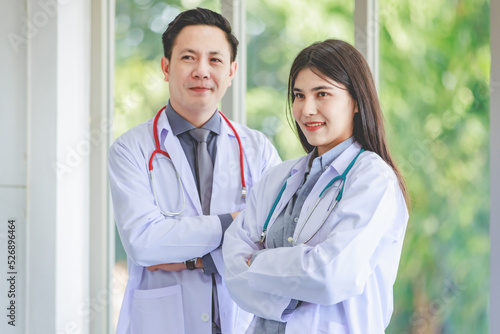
column 198, row 16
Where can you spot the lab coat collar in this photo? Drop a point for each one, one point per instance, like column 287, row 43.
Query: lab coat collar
column 225, row 129
column 295, row 179
column 293, row 183
column 226, row 163
column 344, row 159
column 338, row 166
column 227, row 176
column 301, row 165
column 170, row 144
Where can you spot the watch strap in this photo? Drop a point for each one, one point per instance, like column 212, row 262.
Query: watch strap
column 191, row 264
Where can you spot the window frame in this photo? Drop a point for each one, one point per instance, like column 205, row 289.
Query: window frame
column 101, row 224
column 367, row 41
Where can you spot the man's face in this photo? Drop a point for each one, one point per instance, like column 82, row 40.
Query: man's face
column 199, row 71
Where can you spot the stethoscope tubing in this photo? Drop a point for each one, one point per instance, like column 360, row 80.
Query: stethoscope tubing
column 341, row 177
column 169, row 214
column 158, row 150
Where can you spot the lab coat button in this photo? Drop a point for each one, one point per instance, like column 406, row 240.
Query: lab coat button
column 205, row 317
column 296, row 219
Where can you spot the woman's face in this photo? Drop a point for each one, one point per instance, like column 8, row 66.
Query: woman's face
column 324, row 110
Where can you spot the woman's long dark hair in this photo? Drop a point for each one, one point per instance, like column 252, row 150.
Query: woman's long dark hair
column 341, row 62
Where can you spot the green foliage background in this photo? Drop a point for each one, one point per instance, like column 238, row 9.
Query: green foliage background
column 434, row 90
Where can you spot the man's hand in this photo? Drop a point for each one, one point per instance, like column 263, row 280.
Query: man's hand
column 168, row 267
column 174, row 266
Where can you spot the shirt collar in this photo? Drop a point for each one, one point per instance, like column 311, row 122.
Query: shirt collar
column 327, row 158
column 179, row 124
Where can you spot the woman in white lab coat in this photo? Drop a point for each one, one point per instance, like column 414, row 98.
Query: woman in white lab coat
column 308, row 256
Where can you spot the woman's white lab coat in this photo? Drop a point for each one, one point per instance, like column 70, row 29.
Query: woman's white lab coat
column 177, row 302
column 345, row 274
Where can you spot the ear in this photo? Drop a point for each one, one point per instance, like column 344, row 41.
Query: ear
column 232, row 71
column 165, row 67
column 355, row 106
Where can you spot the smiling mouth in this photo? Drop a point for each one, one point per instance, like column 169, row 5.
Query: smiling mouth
column 314, row 125
column 200, row 89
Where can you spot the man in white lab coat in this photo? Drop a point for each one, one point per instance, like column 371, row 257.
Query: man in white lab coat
column 172, row 225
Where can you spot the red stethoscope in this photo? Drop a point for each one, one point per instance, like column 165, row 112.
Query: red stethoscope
column 159, row 150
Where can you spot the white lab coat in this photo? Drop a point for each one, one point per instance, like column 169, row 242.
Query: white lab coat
column 345, row 274
column 178, row 302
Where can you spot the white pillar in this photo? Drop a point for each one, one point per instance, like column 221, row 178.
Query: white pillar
column 58, row 167
column 366, row 31
column 233, row 102
column 494, row 310
column 53, row 157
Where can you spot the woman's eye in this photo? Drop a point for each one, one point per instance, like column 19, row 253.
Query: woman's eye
column 322, row 94
column 299, row 95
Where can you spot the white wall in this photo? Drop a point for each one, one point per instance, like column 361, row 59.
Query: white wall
column 44, row 171
column 13, row 136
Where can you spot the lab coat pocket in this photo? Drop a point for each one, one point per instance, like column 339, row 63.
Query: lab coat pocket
column 332, row 327
column 156, row 310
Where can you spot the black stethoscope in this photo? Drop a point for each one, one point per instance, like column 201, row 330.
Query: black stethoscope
column 159, row 150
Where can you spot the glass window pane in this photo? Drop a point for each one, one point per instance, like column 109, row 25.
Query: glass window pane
column 139, row 87
column 276, row 32
column 434, row 89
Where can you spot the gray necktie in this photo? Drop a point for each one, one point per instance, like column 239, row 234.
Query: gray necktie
column 204, row 173
column 204, row 168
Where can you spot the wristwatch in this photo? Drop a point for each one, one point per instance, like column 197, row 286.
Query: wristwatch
column 191, row 264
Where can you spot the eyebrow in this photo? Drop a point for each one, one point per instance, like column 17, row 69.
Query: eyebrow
column 315, row 89
column 194, row 51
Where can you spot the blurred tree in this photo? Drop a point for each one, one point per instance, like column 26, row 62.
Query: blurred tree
column 434, row 91
column 139, row 87
column 277, row 31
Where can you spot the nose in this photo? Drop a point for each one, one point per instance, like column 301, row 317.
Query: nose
column 309, row 107
column 201, row 70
